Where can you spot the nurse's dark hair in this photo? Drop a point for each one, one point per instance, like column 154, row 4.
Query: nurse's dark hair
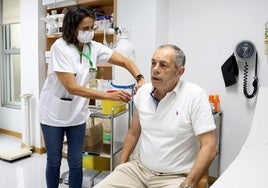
column 71, row 20
column 179, row 58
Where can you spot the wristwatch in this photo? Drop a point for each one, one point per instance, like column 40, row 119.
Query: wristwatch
column 183, row 185
column 138, row 77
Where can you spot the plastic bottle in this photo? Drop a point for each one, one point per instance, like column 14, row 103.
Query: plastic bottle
column 120, row 75
column 216, row 103
column 211, row 102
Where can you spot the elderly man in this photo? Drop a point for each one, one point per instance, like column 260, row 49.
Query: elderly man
column 174, row 123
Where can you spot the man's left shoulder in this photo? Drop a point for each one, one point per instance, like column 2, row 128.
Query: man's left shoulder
column 192, row 87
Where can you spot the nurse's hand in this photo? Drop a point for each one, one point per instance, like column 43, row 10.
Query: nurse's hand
column 119, row 95
column 139, row 84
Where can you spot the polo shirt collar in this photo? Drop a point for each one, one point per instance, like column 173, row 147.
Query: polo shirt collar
column 176, row 88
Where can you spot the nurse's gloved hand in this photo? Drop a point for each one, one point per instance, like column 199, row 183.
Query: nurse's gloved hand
column 119, row 95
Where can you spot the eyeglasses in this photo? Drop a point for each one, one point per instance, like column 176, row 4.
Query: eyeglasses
column 89, row 28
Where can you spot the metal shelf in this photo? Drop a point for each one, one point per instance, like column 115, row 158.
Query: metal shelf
column 96, row 112
column 108, row 150
column 104, row 150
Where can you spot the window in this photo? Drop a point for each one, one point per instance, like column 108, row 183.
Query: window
column 10, row 66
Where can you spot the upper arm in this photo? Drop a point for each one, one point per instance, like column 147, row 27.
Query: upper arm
column 208, row 138
column 118, row 59
column 135, row 128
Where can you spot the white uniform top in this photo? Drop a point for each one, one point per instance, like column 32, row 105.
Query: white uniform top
column 66, row 58
column 168, row 132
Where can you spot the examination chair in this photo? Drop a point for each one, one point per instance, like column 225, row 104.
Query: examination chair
column 249, row 168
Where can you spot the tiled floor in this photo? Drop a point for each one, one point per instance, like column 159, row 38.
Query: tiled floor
column 28, row 172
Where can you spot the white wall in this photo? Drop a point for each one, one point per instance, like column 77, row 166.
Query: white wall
column 141, row 17
column 208, row 32
column 10, row 119
column 32, row 60
column 13, row 119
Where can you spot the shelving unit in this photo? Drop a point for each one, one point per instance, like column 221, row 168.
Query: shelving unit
column 109, row 150
column 108, row 7
column 98, row 36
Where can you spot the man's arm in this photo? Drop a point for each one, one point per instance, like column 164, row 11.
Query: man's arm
column 132, row 137
column 207, row 153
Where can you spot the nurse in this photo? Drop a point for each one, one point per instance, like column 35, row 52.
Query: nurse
column 65, row 96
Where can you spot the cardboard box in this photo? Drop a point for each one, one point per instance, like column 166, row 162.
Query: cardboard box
column 106, row 124
column 105, row 71
column 93, row 135
column 64, row 149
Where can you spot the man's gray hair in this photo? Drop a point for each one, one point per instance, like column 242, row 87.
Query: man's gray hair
column 179, row 55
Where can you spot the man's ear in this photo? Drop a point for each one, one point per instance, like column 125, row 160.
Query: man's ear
column 180, row 71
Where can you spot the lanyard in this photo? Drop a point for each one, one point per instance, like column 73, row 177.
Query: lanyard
column 87, row 55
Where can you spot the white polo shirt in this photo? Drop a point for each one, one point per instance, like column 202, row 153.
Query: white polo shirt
column 168, row 132
column 66, row 58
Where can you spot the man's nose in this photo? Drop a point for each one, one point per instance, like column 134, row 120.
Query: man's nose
column 156, row 69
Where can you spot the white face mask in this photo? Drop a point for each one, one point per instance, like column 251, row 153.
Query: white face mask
column 85, row 36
